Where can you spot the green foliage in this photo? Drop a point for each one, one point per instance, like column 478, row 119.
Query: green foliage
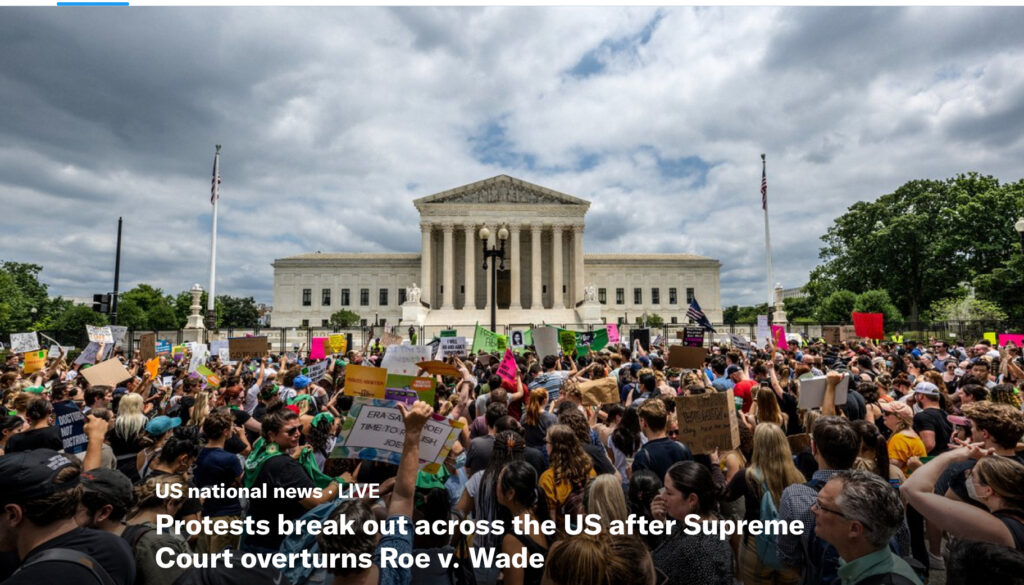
column 878, row 301
column 655, row 320
column 965, row 309
column 344, row 318
column 236, row 312
column 1005, row 286
column 798, row 308
column 76, row 317
column 20, row 292
column 836, row 308
column 743, row 315
column 145, row 307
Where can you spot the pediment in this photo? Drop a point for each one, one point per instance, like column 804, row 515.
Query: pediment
column 502, row 189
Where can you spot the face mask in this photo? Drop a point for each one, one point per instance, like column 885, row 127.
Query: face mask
column 972, row 491
column 888, row 363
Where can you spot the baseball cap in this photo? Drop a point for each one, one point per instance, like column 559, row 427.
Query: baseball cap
column 645, row 361
column 114, row 486
column 30, row 475
column 301, row 382
column 732, row 370
column 161, row 424
column 927, row 388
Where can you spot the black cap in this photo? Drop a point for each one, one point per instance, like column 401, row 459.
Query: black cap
column 111, row 484
column 30, row 475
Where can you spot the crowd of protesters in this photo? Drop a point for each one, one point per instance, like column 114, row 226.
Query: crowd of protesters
column 915, row 474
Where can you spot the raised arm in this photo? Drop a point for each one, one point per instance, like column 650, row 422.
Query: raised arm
column 405, row 484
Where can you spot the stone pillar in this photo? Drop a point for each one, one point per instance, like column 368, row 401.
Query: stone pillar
column 557, row 298
column 426, row 266
column 516, row 301
column 537, row 300
column 577, row 265
column 471, row 268
column 448, row 266
column 487, row 273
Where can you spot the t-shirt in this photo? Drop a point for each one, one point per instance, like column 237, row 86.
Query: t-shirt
column 534, row 435
column 398, row 536
column 148, row 571
column 550, row 381
column 44, row 438
column 215, row 466
column 956, row 478
column 660, row 454
column 935, row 420
column 742, row 389
column 278, row 471
column 722, row 384
column 902, row 448
column 110, row 551
column 599, row 459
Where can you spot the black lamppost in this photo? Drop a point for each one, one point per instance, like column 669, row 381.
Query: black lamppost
column 497, row 254
column 1019, row 226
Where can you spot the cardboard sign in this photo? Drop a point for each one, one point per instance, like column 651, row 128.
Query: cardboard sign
column 35, row 361
column 403, row 359
column 409, row 389
column 375, row 431
column 365, row 381
column 688, row 358
column 613, row 332
column 71, row 424
column 147, row 346
column 1016, row 338
column 601, row 391
column 708, row 422
column 799, row 443
column 439, row 368
column 108, row 373
column 641, row 335
column 318, row 348
column 338, row 343
column 508, row 369
column 812, row 391
column 693, row 336
column 453, row 346
column 24, row 342
column 517, row 338
column 545, row 339
column 387, row 339
column 245, row 347
column 99, row 334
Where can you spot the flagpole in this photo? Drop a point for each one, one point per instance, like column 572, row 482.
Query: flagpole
column 767, row 235
column 213, row 233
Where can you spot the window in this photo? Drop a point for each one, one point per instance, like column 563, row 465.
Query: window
column 544, row 289
column 563, row 289
column 325, row 323
column 305, row 322
column 602, row 296
column 345, row 298
column 325, row 297
column 382, row 297
column 401, row 296
column 307, row 297
column 462, row 289
column 362, row 322
column 620, row 296
column 364, row 297
column 673, row 298
column 675, row 320
column 689, row 296
column 638, row 296
column 655, row 296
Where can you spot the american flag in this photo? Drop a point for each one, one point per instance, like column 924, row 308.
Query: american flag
column 214, row 195
column 697, row 315
column 764, row 186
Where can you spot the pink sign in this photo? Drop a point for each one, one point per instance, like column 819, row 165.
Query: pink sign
column 508, row 369
column 613, row 332
column 779, row 335
column 1016, row 338
column 316, row 350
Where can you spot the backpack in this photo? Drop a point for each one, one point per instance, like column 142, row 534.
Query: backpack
column 767, row 544
column 134, row 533
column 573, row 504
column 67, row 555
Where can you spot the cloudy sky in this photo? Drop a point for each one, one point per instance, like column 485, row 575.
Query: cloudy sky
column 333, row 119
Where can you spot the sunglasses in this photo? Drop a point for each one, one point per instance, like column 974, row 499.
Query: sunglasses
column 294, row 430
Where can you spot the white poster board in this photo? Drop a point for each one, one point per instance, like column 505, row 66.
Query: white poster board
column 402, row 359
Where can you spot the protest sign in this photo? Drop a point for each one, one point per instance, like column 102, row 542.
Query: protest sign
column 567, row 341
column 56, row 351
column 338, row 343
column 448, row 333
column 613, row 332
column 200, row 353
column 640, row 335
column 991, row 337
column 375, row 431
column 99, row 334
column 779, row 335
column 484, row 340
column 365, row 381
column 318, row 348
column 600, row 391
column 1016, row 338
column 693, row 336
column 869, row 325
column 763, row 335
column 147, row 346
column 517, row 338
column 153, row 367
column 409, row 389
column 545, row 339
column 739, row 342
column 88, row 355
column 453, row 346
column 118, row 333
column 439, row 368
column 836, row 334
column 24, row 342
column 387, row 339
column 708, row 422
column 108, row 373
column 681, row 356
column 35, row 361
column 317, row 371
column 812, row 391
column 245, row 347
column 211, row 378
column 508, row 369
column 402, row 359
column 70, row 423
column 178, row 352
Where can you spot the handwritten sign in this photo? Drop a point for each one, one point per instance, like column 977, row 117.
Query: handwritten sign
column 88, row 355
column 338, row 343
column 508, row 369
column 763, row 336
column 240, row 348
column 688, row 358
column 402, row 359
column 452, row 346
column 24, row 342
column 147, row 346
column 99, row 334
column 56, row 351
column 317, row 371
column 375, row 431
column 439, row 368
column 613, row 332
column 600, row 391
column 365, row 381
column 708, row 422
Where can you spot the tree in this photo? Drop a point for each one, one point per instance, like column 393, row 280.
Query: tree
column 798, row 308
column 20, row 292
column 1005, row 287
column 344, row 318
column 878, row 301
column 77, row 317
column 236, row 312
column 836, row 308
column 964, row 308
column 655, row 320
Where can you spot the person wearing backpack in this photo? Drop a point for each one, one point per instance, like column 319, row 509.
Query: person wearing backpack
column 858, row 513
column 771, row 470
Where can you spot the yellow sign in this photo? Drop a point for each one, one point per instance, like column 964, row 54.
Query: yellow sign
column 991, row 337
column 365, row 381
column 35, row 361
column 339, row 343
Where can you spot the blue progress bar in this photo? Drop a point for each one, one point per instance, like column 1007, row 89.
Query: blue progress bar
column 92, row 4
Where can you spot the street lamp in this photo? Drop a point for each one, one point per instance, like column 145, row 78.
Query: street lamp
column 1019, row 226
column 498, row 255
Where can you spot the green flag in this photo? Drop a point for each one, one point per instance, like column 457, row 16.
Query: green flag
column 487, row 340
column 596, row 339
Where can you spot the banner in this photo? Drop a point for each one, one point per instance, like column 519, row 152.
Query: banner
column 613, row 332
column 99, row 334
column 453, row 346
column 1016, row 338
column 338, row 343
column 240, row 348
column 402, row 359
column 779, row 335
column 693, row 336
column 365, row 381
column 869, row 325
column 409, row 389
column 24, row 342
column 35, row 361
column 486, row 340
column 587, row 340
column 708, row 422
column 545, row 339
column 374, row 431
column 147, row 346
column 508, row 369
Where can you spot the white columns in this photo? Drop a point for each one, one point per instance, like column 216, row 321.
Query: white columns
column 426, row 266
column 513, row 234
column 536, row 300
column 558, row 299
column 470, row 271
column 448, row 265
column 487, row 273
column 577, row 265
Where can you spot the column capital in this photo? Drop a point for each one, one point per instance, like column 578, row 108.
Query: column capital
column 557, row 227
column 577, row 228
column 426, row 225
column 514, row 228
column 448, row 226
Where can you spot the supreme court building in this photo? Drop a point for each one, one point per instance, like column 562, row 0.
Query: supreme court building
column 547, row 277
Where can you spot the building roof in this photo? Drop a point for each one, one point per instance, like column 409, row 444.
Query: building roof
column 501, row 189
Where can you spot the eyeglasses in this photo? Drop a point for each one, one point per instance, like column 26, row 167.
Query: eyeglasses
column 819, row 507
column 294, row 430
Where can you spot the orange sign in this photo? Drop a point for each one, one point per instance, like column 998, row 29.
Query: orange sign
column 365, row 381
